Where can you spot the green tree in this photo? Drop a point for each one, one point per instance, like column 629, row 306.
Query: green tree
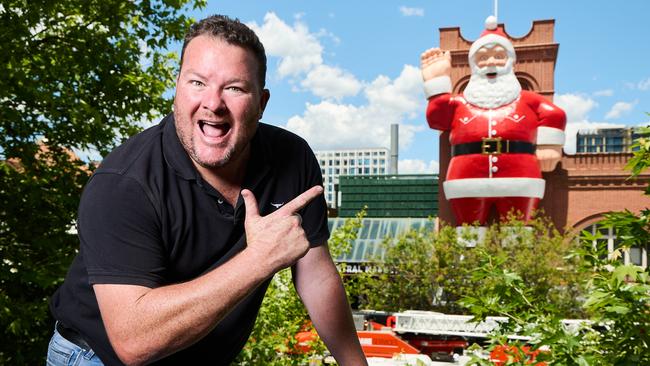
column 76, row 76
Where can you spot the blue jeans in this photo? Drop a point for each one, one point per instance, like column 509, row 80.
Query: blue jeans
column 62, row 352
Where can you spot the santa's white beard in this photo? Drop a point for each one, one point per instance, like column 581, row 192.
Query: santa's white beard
column 492, row 93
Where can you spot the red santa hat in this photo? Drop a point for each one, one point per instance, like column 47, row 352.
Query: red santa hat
column 490, row 36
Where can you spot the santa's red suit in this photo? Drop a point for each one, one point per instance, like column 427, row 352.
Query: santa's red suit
column 479, row 179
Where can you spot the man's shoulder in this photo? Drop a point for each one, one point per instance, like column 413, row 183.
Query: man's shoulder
column 279, row 139
column 140, row 148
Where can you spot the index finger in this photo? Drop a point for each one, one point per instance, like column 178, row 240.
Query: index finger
column 301, row 201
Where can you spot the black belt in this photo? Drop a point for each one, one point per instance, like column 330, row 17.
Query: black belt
column 493, row 146
column 72, row 336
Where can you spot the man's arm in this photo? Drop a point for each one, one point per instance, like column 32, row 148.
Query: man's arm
column 319, row 285
column 145, row 324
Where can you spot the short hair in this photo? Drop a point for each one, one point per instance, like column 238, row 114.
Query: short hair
column 233, row 32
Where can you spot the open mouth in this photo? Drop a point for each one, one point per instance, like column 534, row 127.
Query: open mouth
column 214, row 129
column 491, row 75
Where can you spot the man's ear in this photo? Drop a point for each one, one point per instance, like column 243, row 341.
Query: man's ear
column 264, row 99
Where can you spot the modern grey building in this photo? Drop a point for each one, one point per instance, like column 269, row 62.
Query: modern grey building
column 333, row 163
column 605, row 140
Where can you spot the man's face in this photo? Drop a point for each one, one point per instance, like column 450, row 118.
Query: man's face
column 490, row 60
column 218, row 101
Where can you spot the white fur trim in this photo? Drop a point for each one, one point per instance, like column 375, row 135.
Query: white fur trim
column 493, row 38
column 494, row 187
column 437, row 85
column 550, row 136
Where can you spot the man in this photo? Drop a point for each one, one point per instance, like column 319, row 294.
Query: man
column 501, row 136
column 182, row 227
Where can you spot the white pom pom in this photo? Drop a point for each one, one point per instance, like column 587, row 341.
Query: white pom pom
column 491, row 23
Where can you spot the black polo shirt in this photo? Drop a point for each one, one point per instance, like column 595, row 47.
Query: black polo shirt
column 147, row 218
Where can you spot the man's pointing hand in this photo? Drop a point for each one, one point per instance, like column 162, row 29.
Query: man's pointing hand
column 278, row 238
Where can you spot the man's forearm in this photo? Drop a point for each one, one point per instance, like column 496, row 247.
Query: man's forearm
column 147, row 324
column 320, row 288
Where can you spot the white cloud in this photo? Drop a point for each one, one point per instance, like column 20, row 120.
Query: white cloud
column 416, row 166
column 330, row 125
column 331, row 82
column 298, row 49
column 576, row 106
column 644, row 84
column 619, row 109
column 604, row 93
column 410, row 12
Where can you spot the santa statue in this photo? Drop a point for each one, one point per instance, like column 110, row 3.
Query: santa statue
column 502, row 137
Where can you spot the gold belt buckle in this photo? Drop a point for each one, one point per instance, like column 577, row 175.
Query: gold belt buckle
column 485, row 146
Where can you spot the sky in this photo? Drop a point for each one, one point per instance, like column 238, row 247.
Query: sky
column 341, row 72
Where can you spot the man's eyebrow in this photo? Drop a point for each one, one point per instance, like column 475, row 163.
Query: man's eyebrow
column 195, row 73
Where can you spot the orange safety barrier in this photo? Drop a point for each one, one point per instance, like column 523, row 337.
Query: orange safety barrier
column 383, row 344
column 504, row 353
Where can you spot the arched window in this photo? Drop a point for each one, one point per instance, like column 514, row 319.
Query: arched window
column 635, row 255
column 525, row 84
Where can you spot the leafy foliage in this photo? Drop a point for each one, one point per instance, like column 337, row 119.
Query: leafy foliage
column 77, row 76
column 426, row 270
column 281, row 317
column 617, row 306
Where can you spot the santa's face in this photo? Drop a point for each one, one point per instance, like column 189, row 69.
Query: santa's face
column 487, row 58
column 493, row 82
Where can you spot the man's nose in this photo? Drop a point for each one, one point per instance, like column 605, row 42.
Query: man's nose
column 213, row 100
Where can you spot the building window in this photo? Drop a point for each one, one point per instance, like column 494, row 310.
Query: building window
column 636, row 255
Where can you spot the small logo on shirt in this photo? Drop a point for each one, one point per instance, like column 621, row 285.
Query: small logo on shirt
column 277, row 205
